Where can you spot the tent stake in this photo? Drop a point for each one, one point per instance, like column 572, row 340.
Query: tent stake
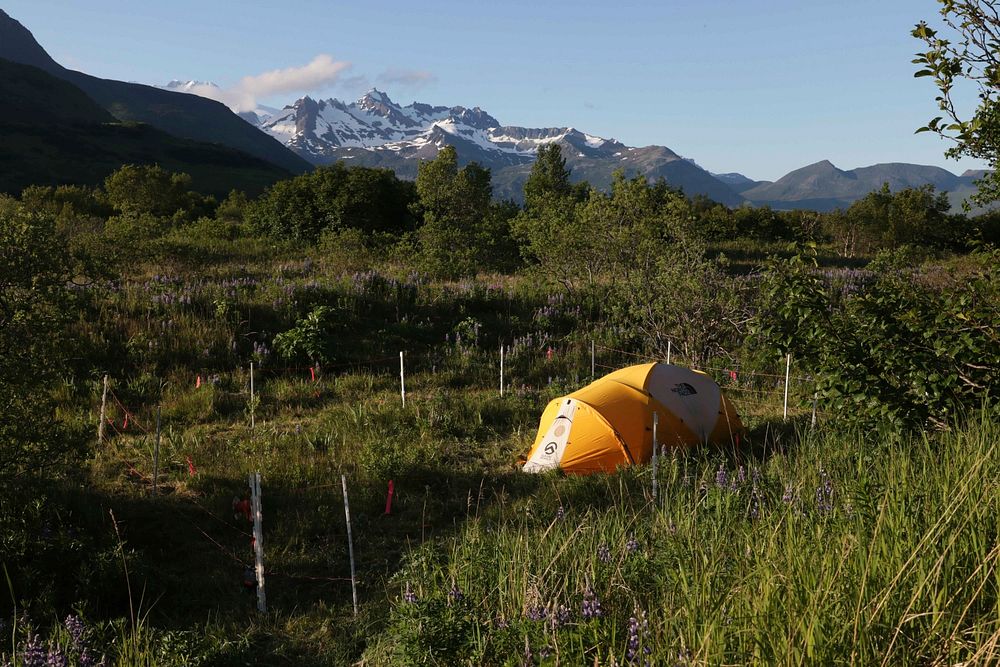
column 669, row 350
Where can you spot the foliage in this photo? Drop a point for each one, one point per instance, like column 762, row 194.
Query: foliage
column 312, row 338
column 333, row 198
column 463, row 231
column 895, row 350
column 966, row 53
column 136, row 190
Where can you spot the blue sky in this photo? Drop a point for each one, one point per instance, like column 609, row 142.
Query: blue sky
column 759, row 87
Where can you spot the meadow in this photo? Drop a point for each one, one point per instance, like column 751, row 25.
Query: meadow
column 810, row 544
column 856, row 523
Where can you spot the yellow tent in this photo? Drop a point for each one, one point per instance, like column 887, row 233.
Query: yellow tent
column 609, row 422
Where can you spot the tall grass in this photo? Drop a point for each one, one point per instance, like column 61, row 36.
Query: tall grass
column 859, row 548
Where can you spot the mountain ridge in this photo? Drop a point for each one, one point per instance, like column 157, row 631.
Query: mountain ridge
column 182, row 115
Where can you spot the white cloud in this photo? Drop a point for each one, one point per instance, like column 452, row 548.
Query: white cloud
column 406, row 77
column 321, row 72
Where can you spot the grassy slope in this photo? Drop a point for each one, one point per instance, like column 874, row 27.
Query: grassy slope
column 54, row 134
column 848, row 546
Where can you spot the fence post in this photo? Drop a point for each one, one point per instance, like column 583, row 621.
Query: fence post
column 350, row 544
column 402, row 380
column 156, row 452
column 501, row 369
column 252, row 406
column 656, row 422
column 669, row 350
column 812, row 424
column 788, row 368
column 258, row 540
column 104, row 408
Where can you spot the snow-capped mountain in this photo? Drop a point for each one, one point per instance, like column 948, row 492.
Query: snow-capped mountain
column 376, row 131
column 318, row 130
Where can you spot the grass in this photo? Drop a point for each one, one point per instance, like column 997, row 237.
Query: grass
column 809, row 546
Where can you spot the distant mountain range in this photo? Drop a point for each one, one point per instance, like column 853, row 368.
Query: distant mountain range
column 376, row 131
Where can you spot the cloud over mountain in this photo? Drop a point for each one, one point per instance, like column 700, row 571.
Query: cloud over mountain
column 321, row 72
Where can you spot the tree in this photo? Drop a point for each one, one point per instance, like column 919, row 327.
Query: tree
column 966, row 53
column 458, row 231
column 333, row 198
column 136, row 190
column 35, row 307
column 548, row 183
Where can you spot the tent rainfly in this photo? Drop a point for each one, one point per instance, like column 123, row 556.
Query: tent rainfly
column 609, row 422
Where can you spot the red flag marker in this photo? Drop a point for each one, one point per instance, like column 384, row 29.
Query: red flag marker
column 192, row 471
column 388, row 498
column 732, row 375
column 312, row 372
column 125, row 423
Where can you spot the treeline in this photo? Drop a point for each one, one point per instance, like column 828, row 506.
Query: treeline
column 447, row 223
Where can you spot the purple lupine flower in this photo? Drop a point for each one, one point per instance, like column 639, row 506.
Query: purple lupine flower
column 788, row 497
column 409, row 595
column 536, row 613
column 755, row 477
column 34, row 654
column 604, row 553
column 560, row 513
column 56, row 658
column 455, row 593
column 545, row 652
column 76, row 629
column 560, row 616
column 632, row 545
column 638, row 628
column 86, row 659
column 824, row 493
column 721, row 477
column 501, row 622
column 741, row 476
column 591, row 604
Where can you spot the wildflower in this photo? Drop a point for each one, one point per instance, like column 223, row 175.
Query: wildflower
column 560, row 513
column 638, row 628
column 545, row 652
column 34, row 655
column 604, row 553
column 56, row 658
column 824, row 493
column 536, row 613
column 76, row 629
column 721, row 477
column 591, row 605
column 755, row 477
column 741, row 476
column 787, row 497
column 632, row 545
column 455, row 593
column 409, row 595
column 560, row 616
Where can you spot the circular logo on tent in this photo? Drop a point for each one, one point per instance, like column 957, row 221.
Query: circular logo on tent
column 559, row 430
column 550, row 448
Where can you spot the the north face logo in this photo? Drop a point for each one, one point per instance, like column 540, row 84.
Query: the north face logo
column 684, row 389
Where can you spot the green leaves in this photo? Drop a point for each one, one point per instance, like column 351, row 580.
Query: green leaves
column 894, row 346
